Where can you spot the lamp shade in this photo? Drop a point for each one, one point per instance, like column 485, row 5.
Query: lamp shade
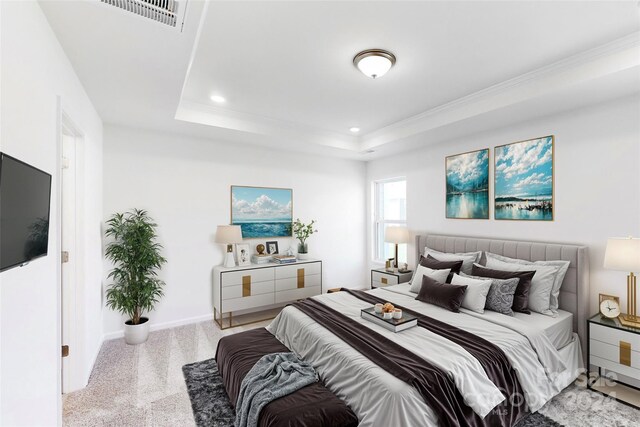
column 396, row 235
column 227, row 234
column 623, row 253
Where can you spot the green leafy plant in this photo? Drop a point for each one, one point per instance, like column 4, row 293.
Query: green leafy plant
column 136, row 255
column 302, row 231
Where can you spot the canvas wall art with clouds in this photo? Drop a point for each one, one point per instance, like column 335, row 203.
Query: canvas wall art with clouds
column 467, row 177
column 262, row 212
column 524, row 180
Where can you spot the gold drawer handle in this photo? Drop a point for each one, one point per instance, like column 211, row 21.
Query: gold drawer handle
column 300, row 278
column 383, row 280
column 625, row 353
column 246, row 286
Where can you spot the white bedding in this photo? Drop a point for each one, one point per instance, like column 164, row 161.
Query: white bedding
column 381, row 399
column 558, row 329
column 546, row 353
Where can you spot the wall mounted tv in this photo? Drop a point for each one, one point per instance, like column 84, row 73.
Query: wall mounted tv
column 25, row 198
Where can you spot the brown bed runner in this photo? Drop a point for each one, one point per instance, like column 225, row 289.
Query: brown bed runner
column 434, row 384
column 490, row 356
column 311, row 406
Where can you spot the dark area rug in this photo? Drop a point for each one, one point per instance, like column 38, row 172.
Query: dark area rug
column 209, row 400
column 537, row 420
column 211, row 406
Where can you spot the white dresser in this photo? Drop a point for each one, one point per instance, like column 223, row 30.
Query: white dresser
column 256, row 286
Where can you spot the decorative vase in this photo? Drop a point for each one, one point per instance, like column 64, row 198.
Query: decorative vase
column 136, row 334
column 303, row 251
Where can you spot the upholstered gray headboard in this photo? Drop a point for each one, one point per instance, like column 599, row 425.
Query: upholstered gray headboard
column 574, row 293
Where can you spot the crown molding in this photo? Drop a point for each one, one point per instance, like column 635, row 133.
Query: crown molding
column 210, row 115
column 611, row 57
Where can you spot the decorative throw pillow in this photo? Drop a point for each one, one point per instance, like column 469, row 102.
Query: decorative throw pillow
column 541, row 284
column 441, row 294
column 521, row 297
column 501, row 294
column 563, row 266
column 439, row 275
column 467, row 258
column 433, row 263
column 475, row 296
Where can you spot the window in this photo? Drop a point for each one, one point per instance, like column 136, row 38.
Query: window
column 389, row 209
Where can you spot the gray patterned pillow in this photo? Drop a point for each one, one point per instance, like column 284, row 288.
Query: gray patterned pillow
column 500, row 296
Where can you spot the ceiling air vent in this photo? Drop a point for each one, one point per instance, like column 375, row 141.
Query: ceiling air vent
column 163, row 11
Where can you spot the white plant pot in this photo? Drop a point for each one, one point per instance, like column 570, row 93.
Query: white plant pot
column 136, row 334
column 303, row 251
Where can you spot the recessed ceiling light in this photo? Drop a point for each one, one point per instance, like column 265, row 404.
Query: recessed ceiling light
column 217, row 98
column 354, row 130
column 374, row 63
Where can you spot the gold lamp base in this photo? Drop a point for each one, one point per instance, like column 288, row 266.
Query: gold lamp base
column 631, row 321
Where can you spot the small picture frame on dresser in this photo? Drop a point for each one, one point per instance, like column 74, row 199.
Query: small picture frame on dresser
column 272, row 248
column 243, row 254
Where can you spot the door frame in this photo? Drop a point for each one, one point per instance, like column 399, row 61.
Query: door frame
column 72, row 319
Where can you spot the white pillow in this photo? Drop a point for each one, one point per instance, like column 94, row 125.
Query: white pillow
column 541, row 284
column 468, row 258
column 563, row 266
column 475, row 297
column 437, row 275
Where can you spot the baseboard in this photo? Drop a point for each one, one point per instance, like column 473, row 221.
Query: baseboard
column 112, row 335
column 93, row 361
column 163, row 325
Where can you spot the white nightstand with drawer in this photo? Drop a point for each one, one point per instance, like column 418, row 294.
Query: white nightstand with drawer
column 614, row 348
column 381, row 277
column 262, row 286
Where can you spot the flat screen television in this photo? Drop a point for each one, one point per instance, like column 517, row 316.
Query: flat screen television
column 25, row 198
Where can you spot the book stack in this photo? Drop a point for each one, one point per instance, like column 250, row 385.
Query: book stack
column 260, row 259
column 283, row 259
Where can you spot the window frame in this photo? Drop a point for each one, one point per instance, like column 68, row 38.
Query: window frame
column 378, row 212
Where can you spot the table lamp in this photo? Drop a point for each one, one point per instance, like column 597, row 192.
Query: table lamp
column 396, row 235
column 624, row 254
column 228, row 235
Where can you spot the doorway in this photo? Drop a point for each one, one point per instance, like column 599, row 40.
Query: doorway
column 71, row 242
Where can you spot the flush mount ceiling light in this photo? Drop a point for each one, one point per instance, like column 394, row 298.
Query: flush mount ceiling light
column 374, row 63
column 354, row 130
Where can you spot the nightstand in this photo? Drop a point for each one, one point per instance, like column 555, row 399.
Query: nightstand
column 381, row 277
column 614, row 348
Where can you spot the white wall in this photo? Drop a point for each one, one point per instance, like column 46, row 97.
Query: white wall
column 184, row 183
column 597, row 184
column 35, row 71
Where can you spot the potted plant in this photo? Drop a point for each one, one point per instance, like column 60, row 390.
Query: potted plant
column 302, row 232
column 136, row 255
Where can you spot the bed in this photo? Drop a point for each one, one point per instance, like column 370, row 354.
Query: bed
column 546, row 354
column 574, row 292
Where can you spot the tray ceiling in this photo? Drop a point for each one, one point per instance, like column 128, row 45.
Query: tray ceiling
column 285, row 67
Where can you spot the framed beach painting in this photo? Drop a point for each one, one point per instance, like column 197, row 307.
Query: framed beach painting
column 467, row 178
column 262, row 212
column 524, row 180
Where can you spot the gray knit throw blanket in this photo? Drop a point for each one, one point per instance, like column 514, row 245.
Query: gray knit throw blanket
column 273, row 376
